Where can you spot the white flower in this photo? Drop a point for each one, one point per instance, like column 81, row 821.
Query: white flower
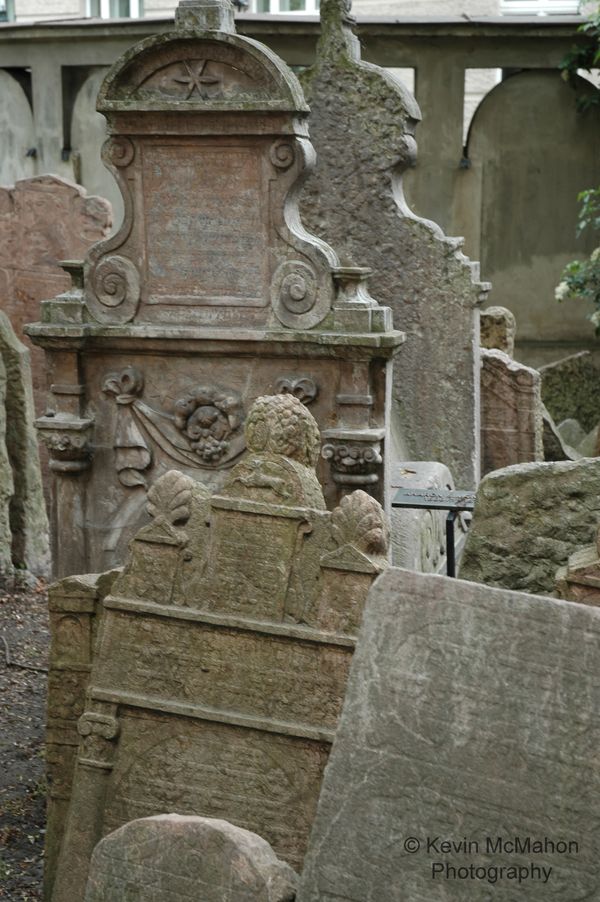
column 561, row 292
column 595, row 317
column 595, row 256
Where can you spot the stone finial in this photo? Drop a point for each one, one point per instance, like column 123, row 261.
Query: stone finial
column 337, row 37
column 498, row 329
column 281, row 424
column 205, row 15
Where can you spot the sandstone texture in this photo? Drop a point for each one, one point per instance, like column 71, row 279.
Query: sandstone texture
column 470, row 713
column 498, row 329
column 528, row 519
column 511, row 412
column 222, row 652
column 174, row 857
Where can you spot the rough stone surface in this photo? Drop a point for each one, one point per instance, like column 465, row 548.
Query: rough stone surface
column 27, row 520
column 528, row 519
column 498, row 328
column 571, row 388
column 223, row 650
column 589, row 446
column 511, row 412
column 173, row 857
column 210, row 295
column 470, row 713
column 43, row 220
column 362, row 123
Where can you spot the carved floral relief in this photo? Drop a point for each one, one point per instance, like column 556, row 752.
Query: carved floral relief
column 204, row 431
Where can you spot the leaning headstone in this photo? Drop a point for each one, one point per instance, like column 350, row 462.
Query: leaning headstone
column 571, row 388
column 571, row 432
column 224, row 649
column 511, row 412
column 528, row 519
column 175, row 857
column 579, row 580
column 362, row 123
column 464, row 767
column 27, row 513
column 498, row 330
column 210, row 295
column 555, row 448
column 43, row 220
column 590, row 444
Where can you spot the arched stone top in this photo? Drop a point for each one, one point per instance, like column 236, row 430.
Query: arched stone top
column 198, row 70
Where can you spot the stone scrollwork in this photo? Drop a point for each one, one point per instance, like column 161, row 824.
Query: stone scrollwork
column 302, row 387
column 282, row 154
column 118, row 151
column 68, row 440
column 294, row 291
column 98, row 732
column 115, row 283
column 353, row 464
column 204, row 431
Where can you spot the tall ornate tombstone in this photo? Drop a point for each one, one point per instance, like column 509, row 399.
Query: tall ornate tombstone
column 222, row 654
column 210, row 295
column 362, row 123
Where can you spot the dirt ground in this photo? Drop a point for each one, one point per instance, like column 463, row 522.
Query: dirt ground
column 23, row 679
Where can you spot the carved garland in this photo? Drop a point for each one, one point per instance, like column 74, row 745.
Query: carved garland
column 204, row 432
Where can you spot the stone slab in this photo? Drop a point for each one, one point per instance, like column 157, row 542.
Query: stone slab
column 511, row 412
column 362, row 123
column 528, row 519
column 471, row 718
column 175, row 857
column 571, row 388
column 498, row 328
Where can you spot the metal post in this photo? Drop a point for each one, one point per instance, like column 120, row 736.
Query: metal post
column 450, row 556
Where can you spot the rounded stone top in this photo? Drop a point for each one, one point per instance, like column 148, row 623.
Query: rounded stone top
column 201, row 66
column 281, row 424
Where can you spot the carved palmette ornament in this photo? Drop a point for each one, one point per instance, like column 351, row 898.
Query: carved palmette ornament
column 170, row 498
column 359, row 520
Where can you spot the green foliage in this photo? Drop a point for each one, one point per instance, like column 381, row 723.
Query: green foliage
column 586, row 56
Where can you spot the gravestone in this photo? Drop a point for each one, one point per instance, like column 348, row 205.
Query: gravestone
column 223, row 650
column 210, row 295
column 43, row 220
column 362, row 123
column 464, row 766
column 579, row 580
column 511, row 412
column 25, row 524
column 528, row 519
column 173, row 857
column 498, row 328
column 571, row 388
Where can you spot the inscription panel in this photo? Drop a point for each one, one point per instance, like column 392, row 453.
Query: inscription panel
column 228, row 669
column 206, row 235
column 260, row 781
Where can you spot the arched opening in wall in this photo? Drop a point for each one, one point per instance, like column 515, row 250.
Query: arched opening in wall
column 17, row 136
column 529, row 152
column 478, row 83
column 88, row 134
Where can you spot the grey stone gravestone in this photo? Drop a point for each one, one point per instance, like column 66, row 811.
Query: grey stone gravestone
column 177, row 857
column 465, row 764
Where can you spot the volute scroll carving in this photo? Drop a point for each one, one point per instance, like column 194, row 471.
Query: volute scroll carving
column 114, row 289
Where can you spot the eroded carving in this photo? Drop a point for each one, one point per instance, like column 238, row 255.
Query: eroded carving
column 209, row 418
column 353, row 463
column 205, row 429
column 282, row 154
column 280, row 424
column 119, row 151
column 304, row 388
column 98, row 732
column 115, row 283
column 170, row 498
column 359, row 520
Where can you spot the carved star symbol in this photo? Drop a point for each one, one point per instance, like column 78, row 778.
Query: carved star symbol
column 195, row 81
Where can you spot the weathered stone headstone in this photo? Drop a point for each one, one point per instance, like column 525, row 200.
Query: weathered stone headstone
column 464, row 766
column 571, row 388
column 579, row 580
column 43, row 220
column 528, row 519
column 511, row 412
column 224, row 648
column 25, row 524
column 174, row 857
column 571, row 432
column 210, row 295
column 555, row 448
column 362, row 123
column 498, row 328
